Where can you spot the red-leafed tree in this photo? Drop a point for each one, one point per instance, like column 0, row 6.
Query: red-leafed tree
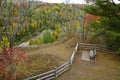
column 14, row 17
column 89, row 18
column 85, row 28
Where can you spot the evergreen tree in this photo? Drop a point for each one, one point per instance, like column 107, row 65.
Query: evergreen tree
column 109, row 23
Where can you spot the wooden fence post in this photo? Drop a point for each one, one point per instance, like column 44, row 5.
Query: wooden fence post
column 55, row 72
column 70, row 63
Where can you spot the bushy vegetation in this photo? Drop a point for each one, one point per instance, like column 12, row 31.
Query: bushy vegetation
column 19, row 22
column 108, row 24
column 47, row 37
column 36, row 41
column 14, row 18
column 54, row 17
column 10, row 61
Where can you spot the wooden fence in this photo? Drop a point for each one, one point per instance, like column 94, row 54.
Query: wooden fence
column 98, row 47
column 56, row 71
column 66, row 66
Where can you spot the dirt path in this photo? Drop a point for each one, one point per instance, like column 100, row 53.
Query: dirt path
column 106, row 67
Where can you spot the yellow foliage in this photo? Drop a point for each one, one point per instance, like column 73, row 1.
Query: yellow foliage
column 77, row 24
column 4, row 38
column 14, row 24
column 37, row 10
column 49, row 11
column 34, row 23
column 5, row 42
column 58, row 28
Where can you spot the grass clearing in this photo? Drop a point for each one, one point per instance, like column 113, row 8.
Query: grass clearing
column 49, row 56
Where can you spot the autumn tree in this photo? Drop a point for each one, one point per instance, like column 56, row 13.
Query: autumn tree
column 14, row 17
column 109, row 23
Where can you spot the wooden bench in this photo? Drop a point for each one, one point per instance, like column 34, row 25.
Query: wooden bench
column 92, row 54
column 89, row 56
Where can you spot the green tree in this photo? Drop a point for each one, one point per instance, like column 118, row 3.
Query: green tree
column 109, row 23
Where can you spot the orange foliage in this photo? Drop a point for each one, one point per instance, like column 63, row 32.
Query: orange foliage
column 17, row 4
column 23, row 5
column 90, row 18
column 63, row 15
column 43, row 4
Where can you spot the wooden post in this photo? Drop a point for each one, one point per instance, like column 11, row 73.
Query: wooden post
column 95, row 51
column 55, row 72
column 91, row 53
column 70, row 63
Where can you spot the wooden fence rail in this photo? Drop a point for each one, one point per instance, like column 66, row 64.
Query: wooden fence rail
column 96, row 46
column 66, row 66
column 56, row 71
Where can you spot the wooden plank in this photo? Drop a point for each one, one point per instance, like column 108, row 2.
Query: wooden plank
column 40, row 75
column 76, row 47
column 98, row 49
column 74, row 52
column 58, row 71
column 91, row 44
column 85, row 48
column 107, row 51
column 51, row 71
column 47, row 76
column 72, row 57
column 62, row 71
column 50, row 78
column 62, row 65
column 95, row 45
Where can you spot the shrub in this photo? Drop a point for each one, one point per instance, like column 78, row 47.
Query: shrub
column 36, row 41
column 47, row 37
column 55, row 35
column 113, row 41
column 10, row 58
